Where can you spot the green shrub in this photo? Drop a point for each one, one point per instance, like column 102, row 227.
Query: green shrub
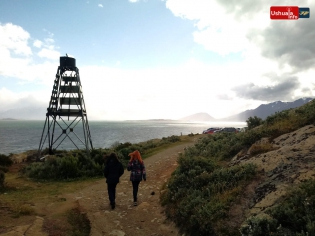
column 259, row 226
column 75, row 164
column 171, row 139
column 253, row 122
column 296, row 211
column 201, row 191
column 66, row 167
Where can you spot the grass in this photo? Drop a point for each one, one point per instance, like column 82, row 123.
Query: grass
column 19, row 209
column 80, row 224
column 153, row 151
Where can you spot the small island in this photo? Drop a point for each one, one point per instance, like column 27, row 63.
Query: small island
column 8, row 119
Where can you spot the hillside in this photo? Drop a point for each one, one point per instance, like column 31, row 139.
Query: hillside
column 253, row 183
column 262, row 111
column 290, row 162
column 265, row 110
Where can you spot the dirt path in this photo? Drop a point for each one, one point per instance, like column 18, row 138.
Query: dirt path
column 148, row 217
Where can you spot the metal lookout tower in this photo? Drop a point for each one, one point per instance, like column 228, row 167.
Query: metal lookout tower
column 66, row 101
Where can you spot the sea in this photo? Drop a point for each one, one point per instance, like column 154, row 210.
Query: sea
column 18, row 136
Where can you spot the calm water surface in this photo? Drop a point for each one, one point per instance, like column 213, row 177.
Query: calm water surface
column 18, row 136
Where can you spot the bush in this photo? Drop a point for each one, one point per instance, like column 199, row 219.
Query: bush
column 259, row 226
column 296, row 211
column 201, row 192
column 253, row 122
column 171, row 139
column 71, row 166
column 75, row 164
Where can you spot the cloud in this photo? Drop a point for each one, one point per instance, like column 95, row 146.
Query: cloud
column 49, row 41
column 223, row 43
column 225, row 27
column 17, row 61
column 167, row 92
column 224, row 97
column 289, row 43
column 100, row 5
column 216, row 30
column 49, row 54
column 16, row 100
column 274, row 55
column 37, row 43
column 281, row 91
column 14, row 38
column 50, row 34
column 133, row 1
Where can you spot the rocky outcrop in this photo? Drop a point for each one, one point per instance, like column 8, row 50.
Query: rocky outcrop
column 291, row 160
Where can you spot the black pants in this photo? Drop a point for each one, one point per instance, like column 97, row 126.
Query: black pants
column 111, row 189
column 135, row 187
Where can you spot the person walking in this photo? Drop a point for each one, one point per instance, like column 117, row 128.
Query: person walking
column 112, row 171
column 137, row 173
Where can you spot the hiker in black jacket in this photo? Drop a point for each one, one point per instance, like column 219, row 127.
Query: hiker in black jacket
column 112, row 172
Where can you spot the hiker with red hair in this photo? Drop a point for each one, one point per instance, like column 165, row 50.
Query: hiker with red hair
column 137, row 169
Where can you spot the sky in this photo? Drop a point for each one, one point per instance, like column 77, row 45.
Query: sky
column 156, row 59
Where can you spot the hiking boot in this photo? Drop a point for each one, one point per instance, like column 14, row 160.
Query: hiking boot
column 113, row 205
column 135, row 203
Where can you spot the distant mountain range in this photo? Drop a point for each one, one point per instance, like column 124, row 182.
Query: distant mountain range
column 263, row 111
column 27, row 113
column 199, row 117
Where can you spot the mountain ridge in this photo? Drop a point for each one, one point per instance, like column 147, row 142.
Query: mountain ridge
column 201, row 116
column 262, row 111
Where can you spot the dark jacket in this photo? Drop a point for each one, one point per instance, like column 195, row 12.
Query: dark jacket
column 113, row 170
column 137, row 170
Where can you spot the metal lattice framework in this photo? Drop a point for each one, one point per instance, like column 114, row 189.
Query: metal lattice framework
column 66, row 101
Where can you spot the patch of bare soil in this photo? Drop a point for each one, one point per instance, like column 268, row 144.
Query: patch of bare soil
column 147, row 218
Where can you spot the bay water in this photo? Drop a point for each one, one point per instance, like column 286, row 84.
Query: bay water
column 17, row 136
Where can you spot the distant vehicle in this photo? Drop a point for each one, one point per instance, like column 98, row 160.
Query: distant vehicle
column 210, row 130
column 228, row 130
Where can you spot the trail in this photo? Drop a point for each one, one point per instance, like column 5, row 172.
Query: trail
column 148, row 217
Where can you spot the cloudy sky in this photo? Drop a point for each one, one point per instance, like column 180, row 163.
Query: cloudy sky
column 150, row 59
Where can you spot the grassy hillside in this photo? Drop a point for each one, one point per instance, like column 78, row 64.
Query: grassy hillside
column 206, row 194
